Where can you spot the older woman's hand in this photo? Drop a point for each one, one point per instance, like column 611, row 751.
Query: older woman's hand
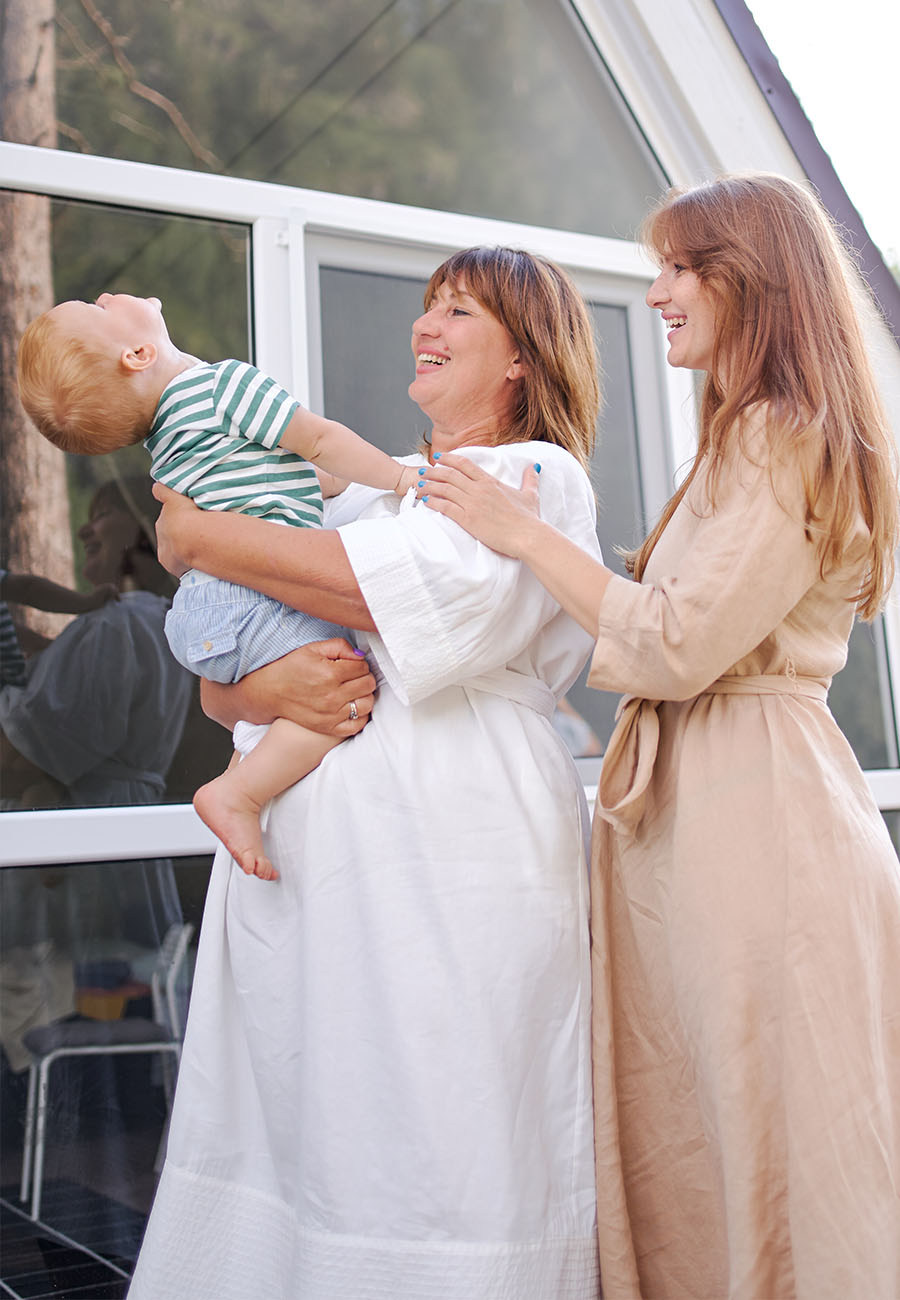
column 502, row 517
column 176, row 509
column 326, row 686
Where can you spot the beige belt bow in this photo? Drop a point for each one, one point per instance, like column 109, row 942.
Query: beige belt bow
column 631, row 754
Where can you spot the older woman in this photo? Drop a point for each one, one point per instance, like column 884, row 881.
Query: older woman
column 386, row 1087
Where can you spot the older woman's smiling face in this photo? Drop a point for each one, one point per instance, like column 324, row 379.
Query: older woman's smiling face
column 467, row 368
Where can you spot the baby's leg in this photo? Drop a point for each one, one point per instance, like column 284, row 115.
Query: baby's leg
column 230, row 805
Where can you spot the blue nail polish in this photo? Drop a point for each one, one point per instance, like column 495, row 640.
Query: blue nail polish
column 437, row 455
column 424, row 498
column 537, row 469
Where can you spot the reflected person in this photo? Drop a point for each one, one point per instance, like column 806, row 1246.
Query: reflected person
column 97, row 722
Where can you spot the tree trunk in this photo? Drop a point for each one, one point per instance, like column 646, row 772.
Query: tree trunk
column 35, row 533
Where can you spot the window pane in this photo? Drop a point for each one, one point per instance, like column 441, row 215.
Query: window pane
column 499, row 108
column 860, row 698
column 376, row 311
column 80, row 945
column 616, row 478
column 106, row 715
column 892, row 821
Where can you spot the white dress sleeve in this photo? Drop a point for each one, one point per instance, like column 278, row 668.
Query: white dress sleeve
column 447, row 608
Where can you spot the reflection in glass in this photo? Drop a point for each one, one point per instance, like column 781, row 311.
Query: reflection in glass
column 500, row 108
column 197, row 267
column 105, row 716
column 892, row 821
column 375, row 311
column 103, row 707
column 616, row 476
column 860, row 698
column 79, row 944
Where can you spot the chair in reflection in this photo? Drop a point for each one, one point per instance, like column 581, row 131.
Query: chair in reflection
column 160, row 1036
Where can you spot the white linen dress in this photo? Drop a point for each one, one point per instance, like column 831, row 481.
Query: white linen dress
column 385, row 1089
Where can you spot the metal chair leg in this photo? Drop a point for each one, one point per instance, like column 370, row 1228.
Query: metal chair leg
column 40, row 1135
column 28, row 1149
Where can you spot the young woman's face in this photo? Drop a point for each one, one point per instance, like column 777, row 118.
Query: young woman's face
column 688, row 313
column 467, row 364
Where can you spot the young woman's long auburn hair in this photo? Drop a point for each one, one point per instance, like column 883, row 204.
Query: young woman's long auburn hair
column 788, row 336
column 539, row 306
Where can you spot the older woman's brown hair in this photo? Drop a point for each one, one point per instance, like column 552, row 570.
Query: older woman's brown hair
column 787, row 297
column 540, row 308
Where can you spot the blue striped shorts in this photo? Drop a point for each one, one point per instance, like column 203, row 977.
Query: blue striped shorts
column 221, row 631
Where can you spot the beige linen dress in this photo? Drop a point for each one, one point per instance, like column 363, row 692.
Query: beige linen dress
column 746, row 926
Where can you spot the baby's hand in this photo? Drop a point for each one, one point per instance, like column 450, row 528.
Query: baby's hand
column 408, row 478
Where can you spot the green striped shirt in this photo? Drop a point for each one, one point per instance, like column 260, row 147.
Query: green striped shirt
column 215, row 438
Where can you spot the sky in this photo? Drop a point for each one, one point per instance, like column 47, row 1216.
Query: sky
column 842, row 58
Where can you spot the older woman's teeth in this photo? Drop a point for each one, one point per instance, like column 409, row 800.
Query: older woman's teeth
column 676, row 322
column 431, row 359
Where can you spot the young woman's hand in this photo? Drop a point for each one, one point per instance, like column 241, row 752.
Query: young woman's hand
column 177, row 510
column 502, row 517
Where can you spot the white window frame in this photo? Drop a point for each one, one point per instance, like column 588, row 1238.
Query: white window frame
column 293, row 232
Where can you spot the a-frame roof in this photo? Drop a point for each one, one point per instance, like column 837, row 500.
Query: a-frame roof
column 816, row 163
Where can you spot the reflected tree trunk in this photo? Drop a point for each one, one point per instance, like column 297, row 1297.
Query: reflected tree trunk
column 35, row 534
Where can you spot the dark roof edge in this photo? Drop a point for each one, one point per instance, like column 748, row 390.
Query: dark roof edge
column 812, row 157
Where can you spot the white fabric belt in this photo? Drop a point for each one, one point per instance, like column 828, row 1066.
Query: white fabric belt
column 114, row 770
column 518, row 687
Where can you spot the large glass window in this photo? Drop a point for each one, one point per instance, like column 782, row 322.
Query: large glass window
column 106, row 715
column 498, row 108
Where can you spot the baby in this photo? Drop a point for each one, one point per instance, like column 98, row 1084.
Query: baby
column 98, row 376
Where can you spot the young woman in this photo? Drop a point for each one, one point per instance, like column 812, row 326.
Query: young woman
column 746, row 907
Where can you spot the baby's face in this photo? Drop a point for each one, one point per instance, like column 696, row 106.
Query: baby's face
column 115, row 321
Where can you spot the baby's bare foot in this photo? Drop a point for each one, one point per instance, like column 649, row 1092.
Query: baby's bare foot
column 232, row 815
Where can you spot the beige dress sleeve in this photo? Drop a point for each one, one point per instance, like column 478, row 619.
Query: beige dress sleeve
column 718, row 583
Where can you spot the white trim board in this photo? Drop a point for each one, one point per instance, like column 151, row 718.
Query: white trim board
column 175, row 830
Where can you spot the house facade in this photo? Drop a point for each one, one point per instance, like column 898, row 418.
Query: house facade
column 290, row 208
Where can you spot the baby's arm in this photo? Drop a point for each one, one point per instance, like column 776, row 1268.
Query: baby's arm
column 330, row 484
column 41, row 593
column 341, row 452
